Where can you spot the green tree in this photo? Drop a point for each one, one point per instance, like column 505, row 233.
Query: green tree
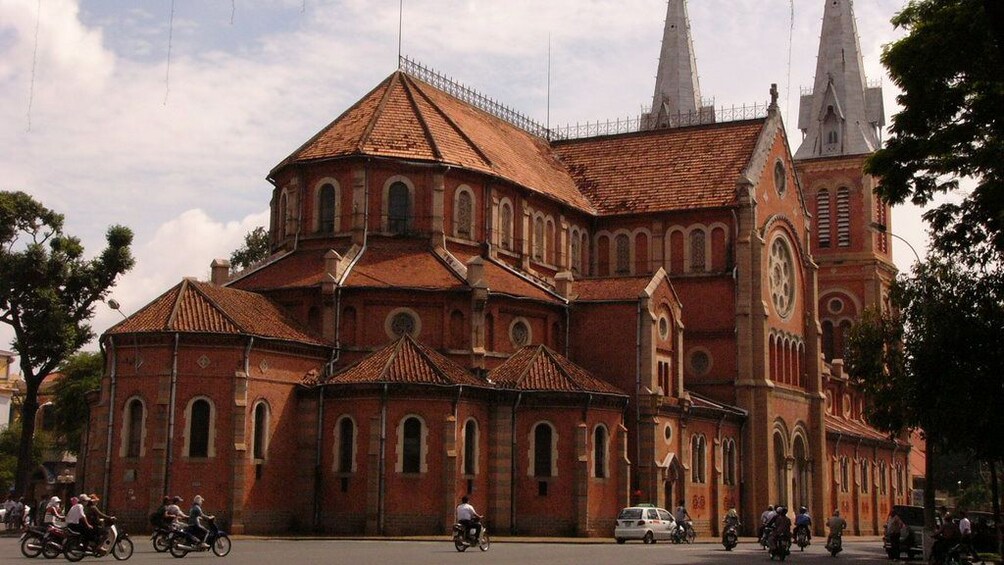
column 950, row 67
column 81, row 373
column 47, row 295
column 10, row 442
column 254, row 250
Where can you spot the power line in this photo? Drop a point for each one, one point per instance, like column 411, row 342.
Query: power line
column 791, row 34
column 170, row 42
column 34, row 61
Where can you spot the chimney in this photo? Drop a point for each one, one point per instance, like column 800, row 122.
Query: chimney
column 476, row 271
column 221, row 271
column 331, row 263
column 563, row 283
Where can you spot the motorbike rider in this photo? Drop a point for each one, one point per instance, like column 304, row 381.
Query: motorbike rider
column 780, row 527
column 194, row 527
column 52, row 512
column 731, row 521
column 465, row 517
column 836, row 525
column 95, row 517
column 682, row 517
column 804, row 522
column 173, row 512
column 76, row 519
column 946, row 537
column 157, row 519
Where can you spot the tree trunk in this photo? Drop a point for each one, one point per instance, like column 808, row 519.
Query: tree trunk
column 995, row 492
column 929, row 522
column 25, row 461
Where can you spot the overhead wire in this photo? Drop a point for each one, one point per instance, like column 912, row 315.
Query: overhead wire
column 34, row 62
column 791, row 35
column 170, row 42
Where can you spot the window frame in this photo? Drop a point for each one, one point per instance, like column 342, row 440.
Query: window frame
column 210, row 428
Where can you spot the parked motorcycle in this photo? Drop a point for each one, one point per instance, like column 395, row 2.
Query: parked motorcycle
column 182, row 541
column 835, row 544
column 114, row 541
column 802, row 537
column 730, row 538
column 780, row 547
column 684, row 533
column 463, row 539
column 31, row 541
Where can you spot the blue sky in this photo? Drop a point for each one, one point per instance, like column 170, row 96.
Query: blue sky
column 183, row 161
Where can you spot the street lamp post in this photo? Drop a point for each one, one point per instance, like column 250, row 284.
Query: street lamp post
column 881, row 228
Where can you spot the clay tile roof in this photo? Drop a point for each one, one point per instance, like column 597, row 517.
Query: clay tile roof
column 620, row 288
column 662, row 170
column 854, row 428
column 199, row 307
column 537, row 368
column 302, row 268
column 699, row 401
column 406, row 361
column 406, row 118
column 402, row 263
column 501, row 280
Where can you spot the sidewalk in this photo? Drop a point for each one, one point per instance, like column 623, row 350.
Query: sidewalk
column 514, row 539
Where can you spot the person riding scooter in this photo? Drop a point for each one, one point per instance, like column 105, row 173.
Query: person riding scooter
column 466, row 516
column 803, row 522
column 780, row 526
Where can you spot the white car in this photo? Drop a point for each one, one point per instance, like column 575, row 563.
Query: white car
column 647, row 523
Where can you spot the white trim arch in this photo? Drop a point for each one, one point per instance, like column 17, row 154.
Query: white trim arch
column 531, row 452
column 353, row 446
column 423, row 463
column 474, row 465
column 603, row 450
column 336, row 219
column 265, row 437
column 211, row 431
column 127, row 428
column 472, row 228
column 506, row 232
column 385, row 203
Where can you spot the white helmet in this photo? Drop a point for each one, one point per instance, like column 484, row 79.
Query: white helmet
column 198, row 499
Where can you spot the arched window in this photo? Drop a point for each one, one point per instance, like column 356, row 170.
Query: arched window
column 538, row 239
column 780, row 467
column 260, row 445
column 505, row 225
column 622, row 246
column 602, row 255
column 801, row 473
column 845, row 475
column 411, row 454
column 883, row 475
column 600, row 446
column 823, row 217
column 550, row 242
column 729, row 455
column 543, row 444
column 576, row 244
column 843, row 217
column 464, row 214
column 471, row 448
column 828, row 340
column 398, row 208
column 845, row 334
column 865, row 468
column 200, row 428
column 698, row 459
column 283, row 215
column 346, row 445
column 697, row 251
column 134, row 416
column 831, row 133
column 326, row 209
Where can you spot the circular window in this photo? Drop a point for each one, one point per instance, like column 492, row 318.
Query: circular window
column 782, row 277
column 700, row 362
column 836, row 306
column 402, row 321
column 780, row 178
column 667, row 433
column 663, row 327
column 829, row 402
column 519, row 332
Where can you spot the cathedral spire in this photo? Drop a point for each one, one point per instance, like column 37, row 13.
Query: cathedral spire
column 842, row 115
column 677, row 99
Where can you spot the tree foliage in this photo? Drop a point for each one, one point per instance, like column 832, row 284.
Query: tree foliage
column 950, row 67
column 47, row 294
column 254, row 250
column 81, row 373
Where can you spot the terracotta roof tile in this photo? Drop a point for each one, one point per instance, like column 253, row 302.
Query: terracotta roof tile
column 501, row 280
column 854, row 428
column 409, row 362
column 661, row 170
column 537, row 368
column 402, row 263
column 198, row 307
column 620, row 288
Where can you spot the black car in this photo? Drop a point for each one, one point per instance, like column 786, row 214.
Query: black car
column 984, row 528
column 911, row 541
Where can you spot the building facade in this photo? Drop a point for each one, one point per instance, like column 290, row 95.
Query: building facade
column 460, row 302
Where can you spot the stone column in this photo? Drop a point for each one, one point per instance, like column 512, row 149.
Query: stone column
column 449, row 472
column 239, row 463
column 438, row 209
column 373, row 478
column 524, row 229
column 500, row 470
column 581, row 487
column 359, row 187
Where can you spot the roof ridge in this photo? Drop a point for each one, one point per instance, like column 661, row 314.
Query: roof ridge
column 554, row 357
column 364, row 138
column 459, row 130
column 172, row 318
column 431, row 139
column 390, row 359
column 223, row 311
column 428, row 359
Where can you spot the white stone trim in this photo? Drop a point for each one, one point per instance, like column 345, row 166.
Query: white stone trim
column 423, row 466
column 211, row 447
column 254, row 430
column 125, row 435
column 531, row 466
column 385, row 202
column 338, row 444
column 316, row 224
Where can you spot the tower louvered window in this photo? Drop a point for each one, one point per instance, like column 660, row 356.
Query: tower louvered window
column 843, row 217
column 823, row 217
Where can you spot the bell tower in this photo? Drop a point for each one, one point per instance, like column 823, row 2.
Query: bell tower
column 841, row 122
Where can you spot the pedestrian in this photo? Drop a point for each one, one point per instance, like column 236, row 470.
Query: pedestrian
column 894, row 531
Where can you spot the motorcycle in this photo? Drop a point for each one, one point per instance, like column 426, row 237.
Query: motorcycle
column 31, row 541
column 730, row 538
column 54, row 541
column 781, row 546
column 802, row 537
column 113, row 541
column 181, row 542
column 765, row 536
column 161, row 537
column 684, row 533
column 464, row 538
column 835, row 544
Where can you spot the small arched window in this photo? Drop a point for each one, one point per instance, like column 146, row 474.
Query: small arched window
column 346, row 445
column 865, row 468
column 471, row 448
column 622, row 244
column 199, row 428
column 698, row 455
column 697, row 251
column 543, row 460
column 134, row 428
column 260, row 445
column 465, row 214
column 729, row 453
column 576, row 253
column 326, row 209
column 398, row 208
column 505, row 225
column 538, row 239
column 600, row 446
column 412, row 446
column 831, row 143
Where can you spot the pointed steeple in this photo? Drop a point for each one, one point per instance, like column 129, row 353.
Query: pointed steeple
column 677, row 99
column 842, row 115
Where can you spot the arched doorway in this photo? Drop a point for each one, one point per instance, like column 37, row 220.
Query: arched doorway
column 672, row 486
column 801, row 476
column 780, row 469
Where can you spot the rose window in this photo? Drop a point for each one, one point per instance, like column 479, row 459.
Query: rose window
column 402, row 323
column 520, row 334
column 782, row 278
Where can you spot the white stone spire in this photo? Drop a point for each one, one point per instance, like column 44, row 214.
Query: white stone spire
column 842, row 115
column 677, row 99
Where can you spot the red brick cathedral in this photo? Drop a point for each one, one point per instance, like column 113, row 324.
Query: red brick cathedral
column 557, row 324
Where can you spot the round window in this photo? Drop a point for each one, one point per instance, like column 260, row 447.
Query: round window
column 700, row 362
column 836, row 306
column 782, row 277
column 519, row 333
column 667, row 433
column 402, row 323
column 663, row 327
column 780, row 178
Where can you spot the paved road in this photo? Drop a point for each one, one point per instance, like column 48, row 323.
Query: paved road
column 255, row 551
